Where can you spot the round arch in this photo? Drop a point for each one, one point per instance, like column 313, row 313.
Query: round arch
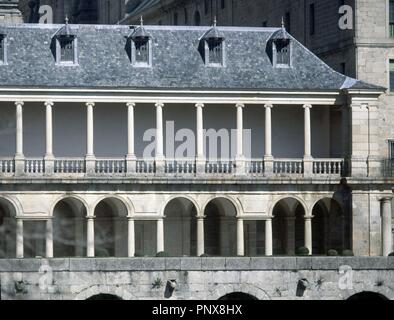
column 8, row 213
column 180, row 227
column 191, row 199
column 235, row 203
column 104, row 290
column 128, row 205
column 70, row 196
column 367, row 295
column 245, row 288
column 237, row 296
column 277, row 200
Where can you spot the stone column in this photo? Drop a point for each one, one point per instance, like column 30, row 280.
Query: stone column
column 290, row 236
column 240, row 237
column 268, row 237
column 131, row 238
column 19, row 238
column 90, row 158
column 308, row 233
column 200, row 236
column 200, row 159
column 160, row 235
column 308, row 161
column 49, row 158
column 19, row 156
column 131, row 159
column 387, row 237
column 240, row 157
column 159, row 157
column 90, row 236
column 268, row 158
column 49, row 238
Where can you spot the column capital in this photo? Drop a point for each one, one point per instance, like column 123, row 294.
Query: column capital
column 239, row 105
column 269, row 217
column 19, row 103
column 130, row 218
column 130, row 104
column 307, row 106
column 90, row 217
column 159, row 104
column 386, row 199
column 200, row 105
column 309, row 217
column 200, row 217
column 268, row 105
column 48, row 103
column 90, row 104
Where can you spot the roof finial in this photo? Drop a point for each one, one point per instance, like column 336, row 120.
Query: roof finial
column 215, row 21
column 142, row 21
column 283, row 23
column 66, row 19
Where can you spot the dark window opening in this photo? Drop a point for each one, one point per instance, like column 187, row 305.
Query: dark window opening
column 215, row 51
column 175, row 18
column 223, row 4
column 312, row 19
column 142, row 51
column 391, row 149
column 287, row 22
column 206, row 7
column 66, row 49
column 282, row 52
column 186, row 17
column 343, row 68
column 264, row 24
column 391, row 23
column 2, row 48
column 197, row 18
column 391, row 75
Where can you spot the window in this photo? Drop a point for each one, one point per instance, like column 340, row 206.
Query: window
column 391, row 149
column 141, row 51
column 2, row 49
column 264, row 24
column 175, row 18
column 223, row 4
column 206, row 7
column 391, row 14
column 186, row 17
column 391, row 76
column 287, row 21
column 312, row 19
column 282, row 53
column 343, row 68
column 197, row 18
column 215, row 51
column 66, row 50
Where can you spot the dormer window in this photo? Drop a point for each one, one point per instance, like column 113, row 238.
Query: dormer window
column 2, row 49
column 66, row 46
column 214, row 54
column 281, row 48
column 141, row 52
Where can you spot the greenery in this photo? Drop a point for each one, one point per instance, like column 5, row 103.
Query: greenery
column 302, row 251
column 332, row 252
column 205, row 255
column 347, row 253
column 162, row 254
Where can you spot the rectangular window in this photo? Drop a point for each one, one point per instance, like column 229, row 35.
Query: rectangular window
column 312, row 19
column 142, row 51
column 2, row 49
column 264, row 24
column 287, row 22
column 206, row 7
column 391, row 19
column 391, row 75
column 223, row 4
column 282, row 53
column 215, row 52
column 343, row 68
column 391, row 149
column 66, row 50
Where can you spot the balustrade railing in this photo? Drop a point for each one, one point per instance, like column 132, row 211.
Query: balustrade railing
column 222, row 166
column 7, row 165
column 288, row 166
column 146, row 166
column 34, row 166
column 69, row 165
column 255, row 166
column 183, row 166
column 110, row 166
column 328, row 166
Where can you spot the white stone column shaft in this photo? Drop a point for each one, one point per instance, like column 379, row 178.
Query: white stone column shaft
column 268, row 131
column 90, row 236
column 200, row 131
column 19, row 129
column 130, row 130
column 131, row 238
column 19, row 238
column 268, row 237
column 240, row 130
column 307, row 131
column 90, row 130
column 160, row 235
column 308, row 233
column 49, row 130
column 159, row 131
column 49, row 238
column 387, row 237
column 200, row 236
column 240, row 237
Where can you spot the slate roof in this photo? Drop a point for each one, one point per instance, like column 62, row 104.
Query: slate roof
column 103, row 61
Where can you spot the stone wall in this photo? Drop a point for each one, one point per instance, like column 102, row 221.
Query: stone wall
column 197, row 278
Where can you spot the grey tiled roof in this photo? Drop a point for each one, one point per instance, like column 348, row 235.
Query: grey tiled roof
column 103, row 61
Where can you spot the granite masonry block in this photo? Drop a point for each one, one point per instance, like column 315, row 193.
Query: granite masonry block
column 237, row 263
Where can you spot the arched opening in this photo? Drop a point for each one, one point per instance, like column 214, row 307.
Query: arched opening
column 110, row 228
column 237, row 296
column 180, row 237
column 330, row 227
column 104, row 296
column 197, row 18
column 69, row 228
column 367, row 295
column 288, row 226
column 7, row 229
column 220, row 228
